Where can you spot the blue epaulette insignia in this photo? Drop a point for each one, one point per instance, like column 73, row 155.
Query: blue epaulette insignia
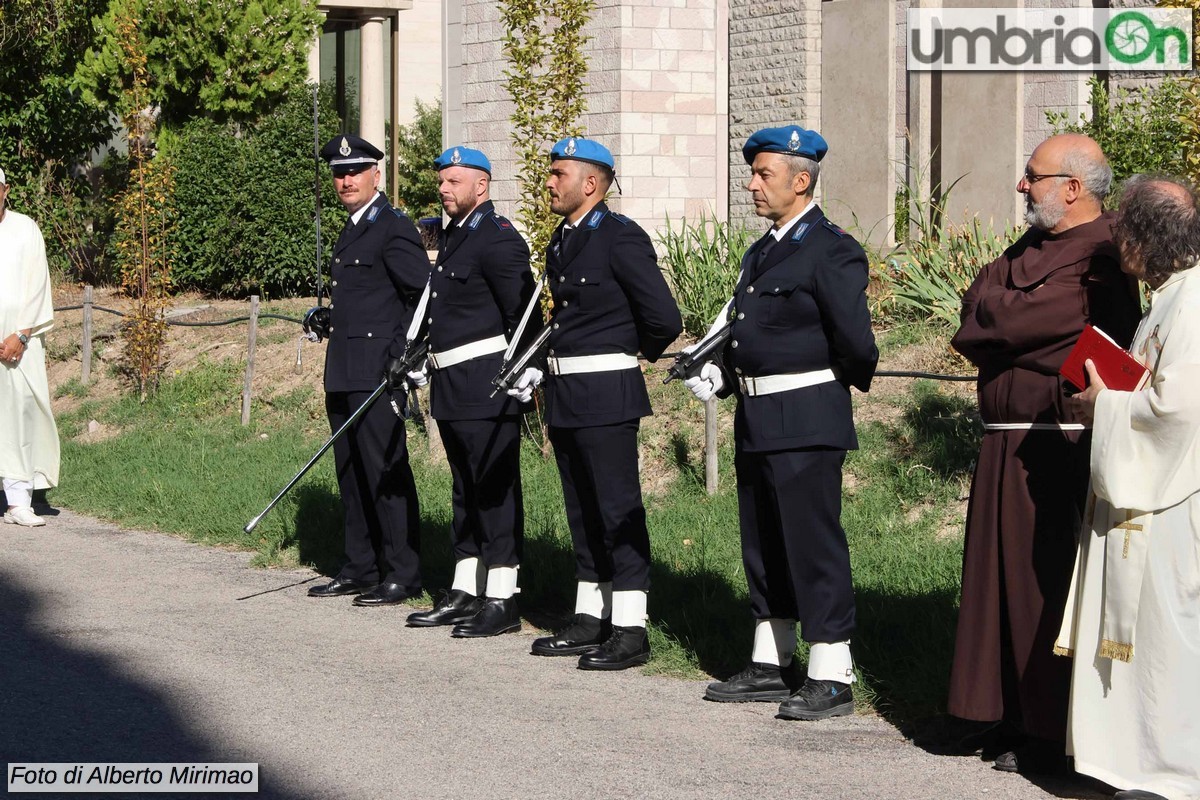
column 838, row 231
column 373, row 213
column 501, row 222
column 801, row 229
column 594, row 219
column 474, row 223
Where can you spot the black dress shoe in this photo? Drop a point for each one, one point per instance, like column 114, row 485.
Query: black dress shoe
column 627, row 647
column 818, row 700
column 1137, row 794
column 455, row 607
column 584, row 633
column 497, row 616
column 385, row 594
column 340, row 586
column 1034, row 757
column 756, row 683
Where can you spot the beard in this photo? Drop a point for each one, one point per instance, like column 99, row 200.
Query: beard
column 1046, row 214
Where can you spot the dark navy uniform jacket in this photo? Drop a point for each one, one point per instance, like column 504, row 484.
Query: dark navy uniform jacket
column 379, row 271
column 609, row 297
column 804, row 308
column 479, row 288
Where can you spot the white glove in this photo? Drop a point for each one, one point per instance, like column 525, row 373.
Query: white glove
column 530, row 379
column 419, row 377
column 707, row 383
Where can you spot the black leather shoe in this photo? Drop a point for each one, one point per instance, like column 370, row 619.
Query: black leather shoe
column 627, row 647
column 385, row 594
column 455, row 607
column 340, row 586
column 584, row 633
column 497, row 616
column 758, row 682
column 1137, row 794
column 818, row 700
column 1035, row 757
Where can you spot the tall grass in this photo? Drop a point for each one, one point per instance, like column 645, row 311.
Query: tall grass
column 702, row 260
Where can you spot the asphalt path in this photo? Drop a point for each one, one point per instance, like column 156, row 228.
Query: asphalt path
column 128, row 646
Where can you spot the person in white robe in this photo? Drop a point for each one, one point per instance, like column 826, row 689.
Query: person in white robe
column 29, row 451
column 1132, row 620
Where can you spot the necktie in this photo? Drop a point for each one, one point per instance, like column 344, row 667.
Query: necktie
column 764, row 251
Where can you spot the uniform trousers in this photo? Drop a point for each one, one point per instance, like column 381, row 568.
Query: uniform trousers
column 603, row 494
column 383, row 519
column 793, row 544
column 485, row 462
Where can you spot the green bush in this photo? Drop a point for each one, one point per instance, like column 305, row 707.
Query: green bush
column 418, row 144
column 702, row 261
column 1139, row 131
column 245, row 203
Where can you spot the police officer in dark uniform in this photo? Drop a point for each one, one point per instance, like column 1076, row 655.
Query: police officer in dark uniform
column 379, row 270
column 478, row 291
column 610, row 301
column 801, row 337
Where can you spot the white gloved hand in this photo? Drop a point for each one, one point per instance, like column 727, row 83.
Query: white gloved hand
column 530, row 379
column 707, row 383
column 419, row 377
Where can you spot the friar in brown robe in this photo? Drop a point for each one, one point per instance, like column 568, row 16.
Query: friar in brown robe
column 1020, row 319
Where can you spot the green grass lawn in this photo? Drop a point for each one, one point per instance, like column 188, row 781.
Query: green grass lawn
column 182, row 463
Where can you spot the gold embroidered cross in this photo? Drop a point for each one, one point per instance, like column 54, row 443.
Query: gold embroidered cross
column 1129, row 527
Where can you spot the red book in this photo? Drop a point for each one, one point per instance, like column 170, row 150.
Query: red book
column 1116, row 368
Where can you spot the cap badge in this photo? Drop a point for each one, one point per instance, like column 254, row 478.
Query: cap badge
column 345, row 148
column 456, row 158
column 570, row 148
column 794, row 142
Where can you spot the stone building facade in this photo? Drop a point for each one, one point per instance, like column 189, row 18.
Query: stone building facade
column 675, row 87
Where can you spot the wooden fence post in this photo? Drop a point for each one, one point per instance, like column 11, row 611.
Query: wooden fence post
column 250, row 359
column 710, row 445
column 86, row 353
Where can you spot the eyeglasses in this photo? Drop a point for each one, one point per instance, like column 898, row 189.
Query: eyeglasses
column 1032, row 177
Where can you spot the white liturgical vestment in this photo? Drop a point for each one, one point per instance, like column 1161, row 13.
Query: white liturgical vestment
column 28, row 437
column 1133, row 619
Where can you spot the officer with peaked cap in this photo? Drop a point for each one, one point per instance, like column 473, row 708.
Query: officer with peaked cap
column 801, row 337
column 478, row 291
column 379, row 269
column 610, row 302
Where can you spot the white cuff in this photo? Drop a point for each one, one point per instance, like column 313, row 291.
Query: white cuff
column 501, row 582
column 593, row 599
column 831, row 662
column 468, row 576
column 774, row 641
column 629, row 609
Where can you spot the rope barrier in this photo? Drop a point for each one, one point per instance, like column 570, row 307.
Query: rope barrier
column 878, row 374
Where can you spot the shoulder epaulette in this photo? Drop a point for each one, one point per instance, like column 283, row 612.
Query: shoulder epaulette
column 836, row 230
column 595, row 218
column 501, row 222
column 399, row 213
column 621, row 218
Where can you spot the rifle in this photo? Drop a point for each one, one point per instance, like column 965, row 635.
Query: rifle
column 511, row 370
column 688, row 365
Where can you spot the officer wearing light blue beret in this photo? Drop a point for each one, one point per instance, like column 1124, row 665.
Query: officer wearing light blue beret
column 800, row 337
column 610, row 303
column 479, row 289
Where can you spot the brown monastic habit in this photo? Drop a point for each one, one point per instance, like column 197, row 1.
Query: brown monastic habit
column 1020, row 319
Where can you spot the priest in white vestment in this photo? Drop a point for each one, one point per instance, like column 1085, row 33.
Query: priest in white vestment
column 1133, row 619
column 29, row 451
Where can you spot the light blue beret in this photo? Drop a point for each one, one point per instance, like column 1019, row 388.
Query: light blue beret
column 791, row 140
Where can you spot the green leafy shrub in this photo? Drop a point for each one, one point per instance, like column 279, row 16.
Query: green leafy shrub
column 245, row 201
column 1139, row 131
column 702, row 260
column 418, row 144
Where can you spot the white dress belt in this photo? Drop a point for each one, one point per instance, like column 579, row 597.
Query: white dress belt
column 1034, row 426
column 465, row 352
column 606, row 362
column 770, row 384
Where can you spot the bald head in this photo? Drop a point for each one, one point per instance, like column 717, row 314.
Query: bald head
column 1066, row 180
